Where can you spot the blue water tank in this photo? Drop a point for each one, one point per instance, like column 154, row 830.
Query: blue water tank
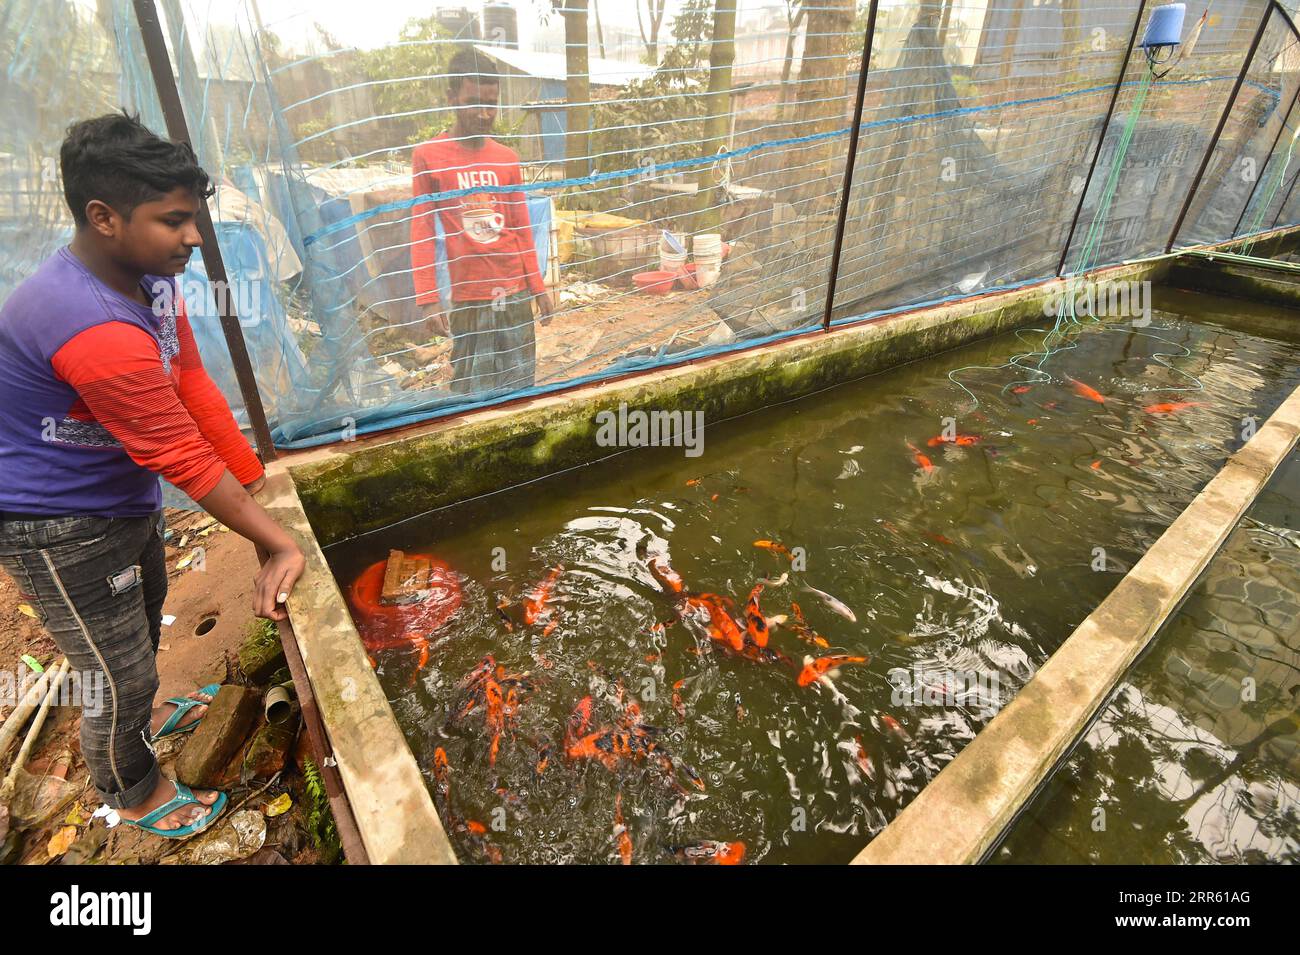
column 1165, row 28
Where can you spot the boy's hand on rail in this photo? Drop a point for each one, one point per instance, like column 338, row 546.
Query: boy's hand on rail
column 274, row 582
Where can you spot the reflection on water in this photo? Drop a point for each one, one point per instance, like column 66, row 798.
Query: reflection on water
column 954, row 567
column 1197, row 758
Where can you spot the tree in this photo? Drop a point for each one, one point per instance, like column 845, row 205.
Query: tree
column 654, row 12
column 823, row 84
column 717, row 123
column 577, row 91
column 794, row 14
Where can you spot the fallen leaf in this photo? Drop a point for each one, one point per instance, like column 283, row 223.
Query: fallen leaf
column 164, row 646
column 278, row 806
column 27, row 609
column 184, row 562
column 76, row 815
column 61, row 842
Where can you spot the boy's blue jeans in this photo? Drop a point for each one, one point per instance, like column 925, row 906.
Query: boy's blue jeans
column 98, row 585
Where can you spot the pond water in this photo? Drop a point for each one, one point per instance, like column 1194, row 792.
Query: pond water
column 1196, row 759
column 963, row 564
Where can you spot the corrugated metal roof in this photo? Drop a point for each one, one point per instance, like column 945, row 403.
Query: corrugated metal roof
column 550, row 66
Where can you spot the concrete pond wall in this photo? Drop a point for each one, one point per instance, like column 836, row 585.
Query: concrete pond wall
column 330, row 494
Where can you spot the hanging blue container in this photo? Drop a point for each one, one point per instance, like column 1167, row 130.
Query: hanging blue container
column 1165, row 28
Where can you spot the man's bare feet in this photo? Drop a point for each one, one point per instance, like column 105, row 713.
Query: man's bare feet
column 161, row 713
column 176, row 819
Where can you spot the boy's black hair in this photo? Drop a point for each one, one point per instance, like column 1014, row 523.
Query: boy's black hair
column 118, row 160
column 469, row 64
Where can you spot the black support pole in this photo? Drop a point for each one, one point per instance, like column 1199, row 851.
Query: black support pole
column 1105, row 128
column 1271, row 150
column 1285, row 200
column 168, row 95
column 1218, row 130
column 848, row 166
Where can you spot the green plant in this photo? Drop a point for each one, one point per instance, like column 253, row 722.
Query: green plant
column 320, row 821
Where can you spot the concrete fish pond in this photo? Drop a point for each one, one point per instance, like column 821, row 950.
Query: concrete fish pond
column 764, row 652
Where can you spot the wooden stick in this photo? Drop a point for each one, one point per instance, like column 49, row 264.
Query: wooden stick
column 6, row 791
column 35, row 693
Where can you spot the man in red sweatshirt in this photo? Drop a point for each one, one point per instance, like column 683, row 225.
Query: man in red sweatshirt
column 490, row 254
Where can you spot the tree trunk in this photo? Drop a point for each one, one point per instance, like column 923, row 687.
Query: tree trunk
column 822, row 99
column 717, row 127
column 577, row 92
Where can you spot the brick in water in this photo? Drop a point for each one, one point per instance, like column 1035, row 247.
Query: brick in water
column 230, row 717
column 406, row 579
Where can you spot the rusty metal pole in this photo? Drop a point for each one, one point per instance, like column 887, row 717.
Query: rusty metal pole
column 169, row 97
column 1218, row 130
column 848, row 166
column 1105, row 127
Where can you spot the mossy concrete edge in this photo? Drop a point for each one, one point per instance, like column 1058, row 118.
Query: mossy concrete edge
column 355, row 487
column 961, row 813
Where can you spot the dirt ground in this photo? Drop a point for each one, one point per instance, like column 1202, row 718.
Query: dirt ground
column 213, row 610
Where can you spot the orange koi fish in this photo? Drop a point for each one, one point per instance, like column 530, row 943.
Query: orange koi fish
column 668, row 578
column 679, row 707
column 722, row 628
column 805, row 632
column 776, row 547
column 441, row 774
column 1087, row 391
column 621, row 836
column 755, row 623
column 537, row 604
column 863, row 760
column 814, row 670
column 710, row 853
column 1169, row 407
column 922, row 462
column 1019, row 389
column 960, row 440
column 893, row 726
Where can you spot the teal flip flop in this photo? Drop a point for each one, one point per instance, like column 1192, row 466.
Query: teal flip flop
column 184, row 797
column 183, row 705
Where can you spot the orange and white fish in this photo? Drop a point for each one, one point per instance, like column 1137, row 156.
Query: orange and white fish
column 833, row 603
column 1170, row 407
column 805, row 632
column 960, row 440
column 755, row 623
column 710, row 853
column 622, row 837
column 1087, row 391
column 775, row 547
column 668, row 578
column 538, row 603
column 893, row 726
column 922, row 462
column 814, row 670
column 722, row 628
column 863, row 759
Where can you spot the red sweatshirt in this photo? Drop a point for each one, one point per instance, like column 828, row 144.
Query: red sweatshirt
column 488, row 235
